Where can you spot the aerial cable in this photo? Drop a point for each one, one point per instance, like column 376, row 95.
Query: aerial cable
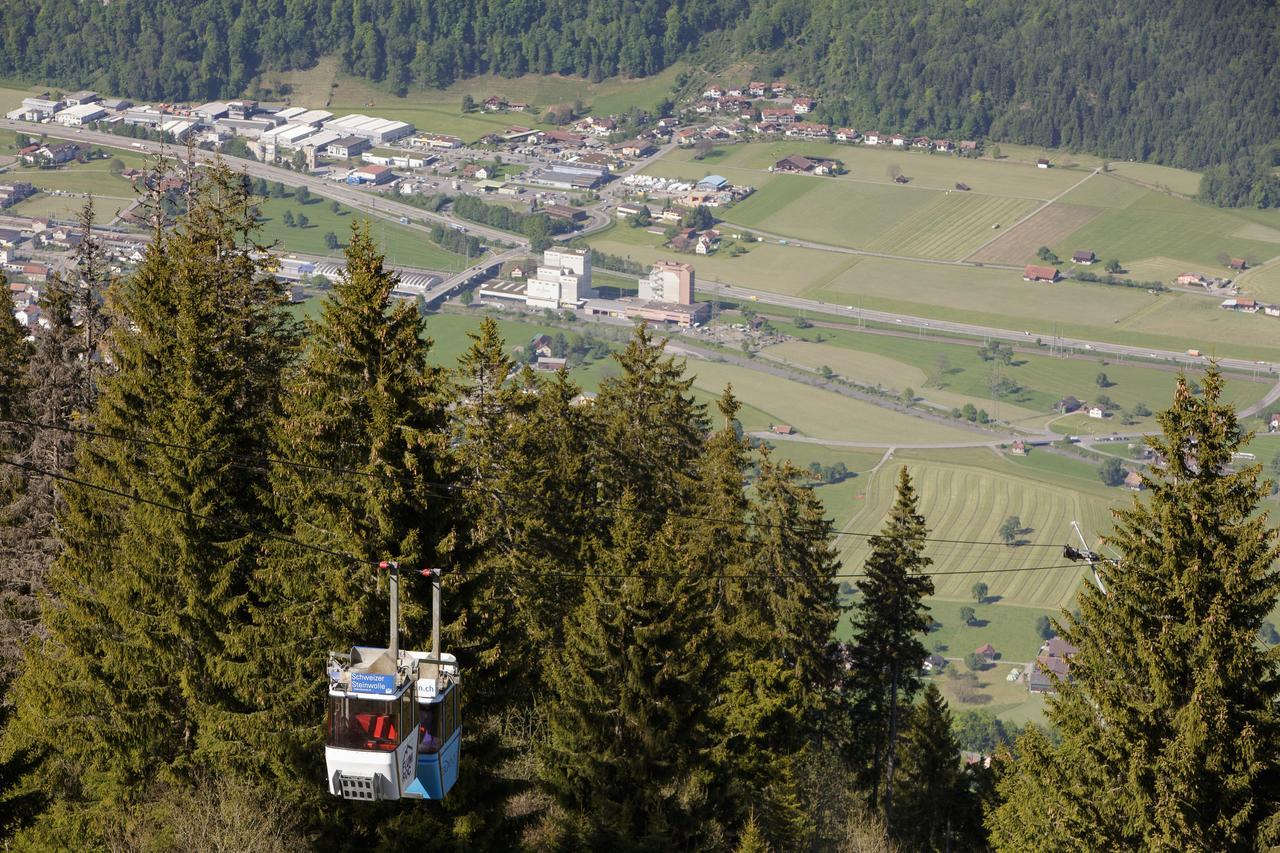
column 260, row 463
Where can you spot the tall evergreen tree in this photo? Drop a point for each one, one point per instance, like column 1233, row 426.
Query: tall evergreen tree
column 624, row 757
column 933, row 806
column 361, row 445
column 129, row 689
column 1169, row 719
column 888, row 622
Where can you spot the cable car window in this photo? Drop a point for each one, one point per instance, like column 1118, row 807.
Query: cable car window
column 408, row 713
column 429, row 726
column 363, row 723
column 449, row 710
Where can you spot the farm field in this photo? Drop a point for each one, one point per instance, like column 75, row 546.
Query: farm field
column 1044, row 379
column 766, row 266
column 1019, row 245
column 69, row 207
column 402, row 245
column 875, row 370
column 968, row 497
column 1010, row 628
column 1176, row 180
column 1158, row 224
column 1001, row 299
column 1011, row 152
column 1262, row 282
column 867, row 164
column 440, row 111
column 830, row 211
column 952, row 227
column 821, row 414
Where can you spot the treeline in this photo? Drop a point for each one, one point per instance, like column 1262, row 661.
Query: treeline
column 538, row 227
column 197, row 493
column 1246, row 181
column 1149, row 80
column 215, row 48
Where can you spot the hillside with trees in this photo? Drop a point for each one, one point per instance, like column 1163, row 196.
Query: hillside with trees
column 1145, row 80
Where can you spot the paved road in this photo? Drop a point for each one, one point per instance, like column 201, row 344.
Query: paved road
column 384, row 207
column 935, row 325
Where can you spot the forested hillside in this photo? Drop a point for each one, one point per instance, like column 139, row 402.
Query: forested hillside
column 1148, row 80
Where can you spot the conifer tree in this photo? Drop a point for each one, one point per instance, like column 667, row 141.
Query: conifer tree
column 624, row 757
column 888, row 622
column 933, row 803
column 129, row 688
column 651, row 431
column 361, row 439
column 1169, row 717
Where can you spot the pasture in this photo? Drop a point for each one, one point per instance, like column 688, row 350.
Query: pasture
column 440, row 110
column 817, row 413
column 968, row 498
column 952, row 227
column 1156, row 224
column 899, row 361
column 68, row 208
column 766, row 266
column 402, row 245
column 1018, row 245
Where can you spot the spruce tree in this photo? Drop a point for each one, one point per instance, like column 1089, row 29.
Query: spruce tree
column 361, row 448
column 130, row 689
column 933, row 804
column 626, row 718
column 1168, row 720
column 888, row 622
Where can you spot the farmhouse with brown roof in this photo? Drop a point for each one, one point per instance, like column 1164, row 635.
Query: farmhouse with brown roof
column 1039, row 273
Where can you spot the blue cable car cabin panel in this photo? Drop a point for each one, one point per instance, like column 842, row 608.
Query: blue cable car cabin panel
column 440, row 747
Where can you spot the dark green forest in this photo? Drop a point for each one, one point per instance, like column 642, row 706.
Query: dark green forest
column 1169, row 82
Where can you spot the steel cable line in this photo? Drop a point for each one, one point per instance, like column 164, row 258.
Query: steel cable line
column 260, row 463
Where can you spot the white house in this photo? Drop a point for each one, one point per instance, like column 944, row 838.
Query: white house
column 1096, row 412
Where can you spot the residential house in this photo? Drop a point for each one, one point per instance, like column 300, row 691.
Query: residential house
column 1133, row 480
column 922, row 142
column 476, row 171
column 1018, row 448
column 756, row 89
column 801, row 106
column 58, row 153
column 809, row 130
column 847, row 134
column 942, row 145
column 1190, row 278
column 687, row 135
column 898, row 140
column 1083, row 256
column 968, row 145
column 1097, row 412
column 1042, row 163
column 705, row 108
column 987, row 651
column 518, row 106
column 1054, row 661
column 541, row 344
column 934, row 663
column 782, row 429
column 1068, row 404
column 1039, row 273
column 871, row 137
column 778, row 88
column 1238, row 264
column 494, row 104
column 777, row 115
column 1274, row 424
column 713, row 93
column 806, row 165
column 637, row 148
column 1247, row 304
column 734, row 92
column 36, row 272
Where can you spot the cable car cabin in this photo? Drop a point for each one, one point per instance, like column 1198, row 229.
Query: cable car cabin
column 393, row 730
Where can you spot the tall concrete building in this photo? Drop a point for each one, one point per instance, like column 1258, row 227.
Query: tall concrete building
column 669, row 281
column 563, row 279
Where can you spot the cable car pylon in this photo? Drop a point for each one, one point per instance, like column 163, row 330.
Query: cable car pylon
column 394, row 730
column 1084, row 552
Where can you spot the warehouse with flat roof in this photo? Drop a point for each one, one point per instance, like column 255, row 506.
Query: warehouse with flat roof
column 379, row 131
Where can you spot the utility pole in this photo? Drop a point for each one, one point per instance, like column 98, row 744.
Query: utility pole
column 394, row 582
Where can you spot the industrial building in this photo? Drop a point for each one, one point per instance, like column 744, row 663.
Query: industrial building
column 347, row 147
column 562, row 281
column 79, row 115
column 371, row 175
column 669, row 281
column 378, row 131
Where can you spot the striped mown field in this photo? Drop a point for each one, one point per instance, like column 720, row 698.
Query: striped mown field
column 969, row 502
column 951, row 227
